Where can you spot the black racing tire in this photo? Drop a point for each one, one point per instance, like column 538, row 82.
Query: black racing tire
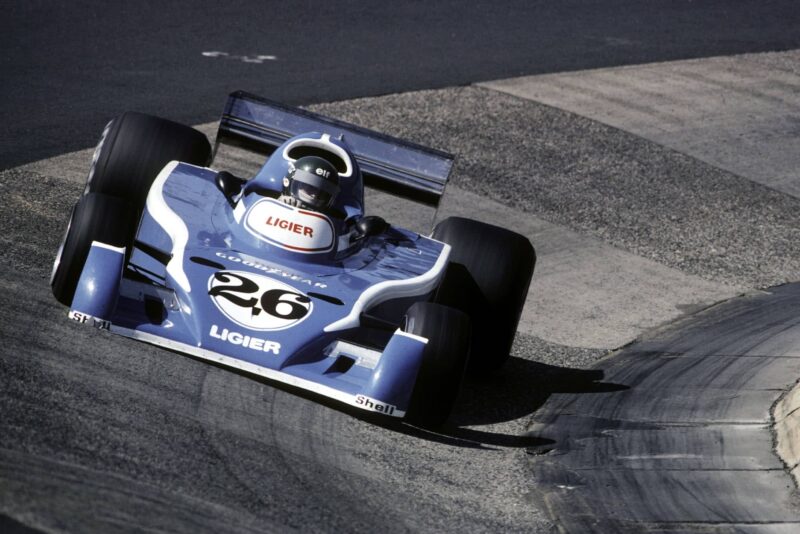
column 488, row 277
column 95, row 217
column 444, row 361
column 134, row 148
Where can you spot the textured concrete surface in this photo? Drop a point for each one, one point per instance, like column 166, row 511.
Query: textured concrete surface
column 741, row 114
column 788, row 404
column 786, row 417
column 675, row 434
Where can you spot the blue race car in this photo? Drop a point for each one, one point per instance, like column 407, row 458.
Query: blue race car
column 283, row 275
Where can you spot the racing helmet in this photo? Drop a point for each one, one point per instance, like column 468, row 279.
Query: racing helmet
column 311, row 182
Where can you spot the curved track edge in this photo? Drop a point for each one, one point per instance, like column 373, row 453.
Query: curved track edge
column 677, row 436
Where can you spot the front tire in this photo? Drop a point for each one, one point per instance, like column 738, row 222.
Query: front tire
column 444, row 361
column 133, row 149
column 488, row 277
column 96, row 217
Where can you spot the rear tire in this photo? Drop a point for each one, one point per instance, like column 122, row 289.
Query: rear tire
column 134, row 148
column 444, row 361
column 95, row 217
column 488, row 277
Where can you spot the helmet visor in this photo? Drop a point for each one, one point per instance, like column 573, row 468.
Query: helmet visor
column 312, row 190
column 310, row 195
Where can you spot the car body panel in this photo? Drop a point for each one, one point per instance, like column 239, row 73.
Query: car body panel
column 254, row 284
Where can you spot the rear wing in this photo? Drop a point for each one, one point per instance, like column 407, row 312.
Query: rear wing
column 387, row 163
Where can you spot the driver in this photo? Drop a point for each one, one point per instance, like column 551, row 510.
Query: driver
column 311, row 183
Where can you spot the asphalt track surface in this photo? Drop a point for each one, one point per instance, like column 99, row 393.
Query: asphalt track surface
column 104, row 434
column 68, row 67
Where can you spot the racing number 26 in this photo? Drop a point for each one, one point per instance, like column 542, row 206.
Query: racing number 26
column 279, row 303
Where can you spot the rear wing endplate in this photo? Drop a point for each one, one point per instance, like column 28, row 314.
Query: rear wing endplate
column 387, row 163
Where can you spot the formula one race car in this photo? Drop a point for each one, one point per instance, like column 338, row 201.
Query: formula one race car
column 283, row 275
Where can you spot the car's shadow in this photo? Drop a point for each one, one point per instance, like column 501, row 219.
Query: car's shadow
column 518, row 390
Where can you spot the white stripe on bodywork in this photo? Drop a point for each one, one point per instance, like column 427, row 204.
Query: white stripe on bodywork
column 393, row 289
column 266, row 372
column 172, row 224
column 421, row 339
column 239, row 211
column 120, row 250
